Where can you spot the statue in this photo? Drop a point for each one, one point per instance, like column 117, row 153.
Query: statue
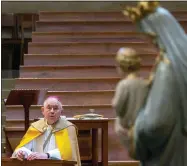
column 131, row 88
column 159, row 134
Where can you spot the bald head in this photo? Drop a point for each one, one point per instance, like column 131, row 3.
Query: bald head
column 126, row 52
column 128, row 59
column 52, row 109
column 54, row 100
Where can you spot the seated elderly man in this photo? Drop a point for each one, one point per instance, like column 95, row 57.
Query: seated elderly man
column 52, row 137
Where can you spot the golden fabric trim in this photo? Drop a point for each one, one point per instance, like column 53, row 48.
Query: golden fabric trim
column 64, row 144
column 29, row 136
column 61, row 135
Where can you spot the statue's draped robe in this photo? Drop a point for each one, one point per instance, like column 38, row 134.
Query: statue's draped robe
column 161, row 127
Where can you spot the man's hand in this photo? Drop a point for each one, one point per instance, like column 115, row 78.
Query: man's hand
column 21, row 155
column 37, row 155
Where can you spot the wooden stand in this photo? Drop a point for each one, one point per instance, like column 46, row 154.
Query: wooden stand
column 25, row 97
column 15, row 162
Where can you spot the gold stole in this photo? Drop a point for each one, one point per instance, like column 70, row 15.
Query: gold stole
column 62, row 141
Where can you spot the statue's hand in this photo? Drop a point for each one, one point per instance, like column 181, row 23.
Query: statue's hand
column 119, row 129
column 131, row 142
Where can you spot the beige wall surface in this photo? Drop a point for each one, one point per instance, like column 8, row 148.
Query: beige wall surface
column 36, row 6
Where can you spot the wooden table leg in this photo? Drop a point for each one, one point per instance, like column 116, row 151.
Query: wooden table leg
column 105, row 144
column 94, row 147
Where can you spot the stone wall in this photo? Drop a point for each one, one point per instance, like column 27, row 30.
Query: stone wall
column 34, row 7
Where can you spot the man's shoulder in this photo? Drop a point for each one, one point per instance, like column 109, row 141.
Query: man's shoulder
column 39, row 125
column 41, row 120
column 64, row 120
column 63, row 123
column 69, row 124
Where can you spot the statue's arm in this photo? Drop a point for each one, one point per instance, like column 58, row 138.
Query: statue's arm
column 120, row 98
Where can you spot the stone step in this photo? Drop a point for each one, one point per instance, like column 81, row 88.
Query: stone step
column 75, row 48
column 83, row 97
column 95, row 26
column 82, row 26
column 63, row 84
column 17, row 111
column 93, row 97
column 81, row 16
column 79, row 60
column 89, row 37
column 92, row 16
column 74, row 71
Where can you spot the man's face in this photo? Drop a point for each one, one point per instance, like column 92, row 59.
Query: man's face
column 51, row 110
